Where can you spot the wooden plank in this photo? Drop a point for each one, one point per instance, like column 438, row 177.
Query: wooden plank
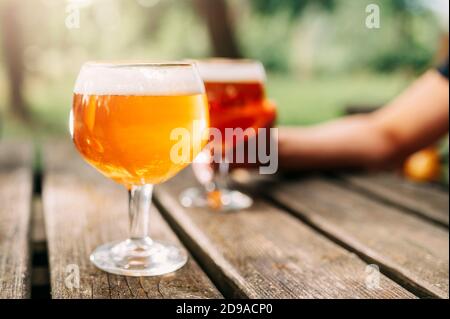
column 263, row 252
column 16, row 178
column 82, row 209
column 423, row 199
column 407, row 248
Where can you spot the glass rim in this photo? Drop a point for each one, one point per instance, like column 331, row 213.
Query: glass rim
column 223, row 60
column 231, row 70
column 136, row 64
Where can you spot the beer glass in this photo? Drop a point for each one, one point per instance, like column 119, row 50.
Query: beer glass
column 122, row 119
column 236, row 96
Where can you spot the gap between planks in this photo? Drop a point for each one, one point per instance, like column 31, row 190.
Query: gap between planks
column 313, row 203
column 263, row 252
column 82, row 209
column 424, row 201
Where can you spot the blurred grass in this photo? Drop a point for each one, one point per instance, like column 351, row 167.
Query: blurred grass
column 308, row 101
column 299, row 101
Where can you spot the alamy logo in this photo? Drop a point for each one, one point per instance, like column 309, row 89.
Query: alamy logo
column 261, row 146
column 372, row 277
column 72, row 279
column 72, row 20
column 373, row 16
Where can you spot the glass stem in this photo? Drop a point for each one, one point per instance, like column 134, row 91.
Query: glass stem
column 224, row 168
column 140, row 200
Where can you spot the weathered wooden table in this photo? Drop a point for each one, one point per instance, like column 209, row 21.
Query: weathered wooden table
column 309, row 237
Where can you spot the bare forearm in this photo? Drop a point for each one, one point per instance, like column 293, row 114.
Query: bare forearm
column 345, row 143
column 417, row 118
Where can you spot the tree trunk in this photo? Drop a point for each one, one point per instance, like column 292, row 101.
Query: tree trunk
column 220, row 28
column 11, row 34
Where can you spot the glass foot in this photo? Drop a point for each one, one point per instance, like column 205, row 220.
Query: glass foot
column 138, row 257
column 223, row 200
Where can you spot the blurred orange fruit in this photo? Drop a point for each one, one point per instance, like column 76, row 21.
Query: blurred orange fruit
column 423, row 166
column 215, row 199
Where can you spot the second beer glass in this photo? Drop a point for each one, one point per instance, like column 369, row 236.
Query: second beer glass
column 236, row 96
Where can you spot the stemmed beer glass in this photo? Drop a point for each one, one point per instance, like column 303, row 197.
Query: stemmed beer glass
column 236, row 96
column 122, row 122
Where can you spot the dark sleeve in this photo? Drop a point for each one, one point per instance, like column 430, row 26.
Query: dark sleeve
column 443, row 69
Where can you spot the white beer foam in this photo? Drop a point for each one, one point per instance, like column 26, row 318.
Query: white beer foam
column 223, row 70
column 138, row 79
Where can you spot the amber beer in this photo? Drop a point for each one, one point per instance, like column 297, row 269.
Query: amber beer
column 236, row 96
column 122, row 122
column 125, row 133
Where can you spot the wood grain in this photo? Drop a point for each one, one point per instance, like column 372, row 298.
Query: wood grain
column 263, row 252
column 16, row 189
column 426, row 200
column 410, row 249
column 82, row 209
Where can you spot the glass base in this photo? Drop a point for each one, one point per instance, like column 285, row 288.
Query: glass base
column 138, row 257
column 225, row 200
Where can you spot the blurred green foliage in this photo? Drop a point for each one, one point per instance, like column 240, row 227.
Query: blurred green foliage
column 319, row 53
column 335, row 31
column 294, row 7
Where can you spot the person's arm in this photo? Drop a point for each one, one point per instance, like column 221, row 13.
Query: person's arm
column 415, row 119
